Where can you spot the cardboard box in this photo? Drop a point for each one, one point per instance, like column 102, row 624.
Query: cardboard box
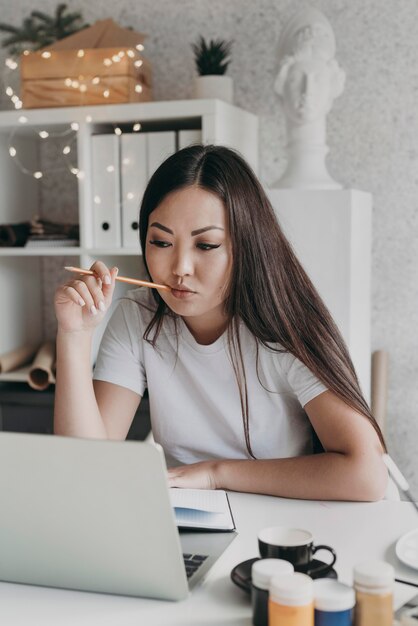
column 87, row 68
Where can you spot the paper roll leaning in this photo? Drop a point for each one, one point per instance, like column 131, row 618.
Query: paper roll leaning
column 42, row 371
column 16, row 358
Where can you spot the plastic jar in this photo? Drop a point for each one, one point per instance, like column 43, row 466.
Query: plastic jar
column 373, row 583
column 333, row 602
column 262, row 572
column 291, row 600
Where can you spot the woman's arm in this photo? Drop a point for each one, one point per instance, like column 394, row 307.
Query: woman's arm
column 351, row 468
column 83, row 408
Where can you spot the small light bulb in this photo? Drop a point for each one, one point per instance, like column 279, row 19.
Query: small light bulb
column 23, row 119
column 15, row 99
column 80, row 175
column 74, row 170
column 126, row 161
column 18, row 105
column 80, row 53
column 116, row 58
column 130, row 195
column 97, row 200
column 121, row 54
column 66, row 150
column 26, row 52
column 9, row 91
column 75, row 84
column 106, row 93
column 68, row 82
column 12, row 151
column 136, row 127
column 107, row 62
column 118, row 131
column 74, row 125
column 131, row 54
column 110, row 168
column 46, row 55
column 88, row 118
column 138, row 63
column 43, row 134
column 83, row 88
column 96, row 80
column 139, row 47
column 37, row 174
column 138, row 88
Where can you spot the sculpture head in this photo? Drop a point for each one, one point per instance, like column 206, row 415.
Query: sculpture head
column 309, row 77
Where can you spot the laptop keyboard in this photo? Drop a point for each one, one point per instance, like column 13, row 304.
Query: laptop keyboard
column 192, row 562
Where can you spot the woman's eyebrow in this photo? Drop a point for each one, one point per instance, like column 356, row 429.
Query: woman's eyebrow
column 193, row 233
column 158, row 225
column 203, row 230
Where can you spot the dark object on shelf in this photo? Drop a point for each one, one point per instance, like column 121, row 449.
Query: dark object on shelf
column 13, row 235
column 27, row 411
column 241, row 573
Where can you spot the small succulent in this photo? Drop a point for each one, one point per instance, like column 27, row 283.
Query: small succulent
column 212, row 57
column 40, row 30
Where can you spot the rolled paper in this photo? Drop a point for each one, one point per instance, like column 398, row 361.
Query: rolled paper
column 16, row 358
column 380, row 362
column 42, row 371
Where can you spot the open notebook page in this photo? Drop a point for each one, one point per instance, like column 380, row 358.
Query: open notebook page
column 202, row 508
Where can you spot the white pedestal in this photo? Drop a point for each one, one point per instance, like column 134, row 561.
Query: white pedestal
column 331, row 233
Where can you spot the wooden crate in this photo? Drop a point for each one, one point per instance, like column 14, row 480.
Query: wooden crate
column 84, row 77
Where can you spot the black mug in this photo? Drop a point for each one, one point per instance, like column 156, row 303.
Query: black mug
column 294, row 545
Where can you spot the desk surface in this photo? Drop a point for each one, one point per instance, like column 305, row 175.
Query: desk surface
column 357, row 531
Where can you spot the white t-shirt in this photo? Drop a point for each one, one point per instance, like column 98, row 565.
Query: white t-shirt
column 194, row 397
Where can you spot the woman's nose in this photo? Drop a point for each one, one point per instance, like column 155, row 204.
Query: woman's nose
column 182, row 264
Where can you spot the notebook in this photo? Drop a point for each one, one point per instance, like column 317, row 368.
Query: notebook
column 95, row 515
column 206, row 509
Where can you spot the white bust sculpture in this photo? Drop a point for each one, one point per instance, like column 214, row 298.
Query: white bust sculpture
column 308, row 81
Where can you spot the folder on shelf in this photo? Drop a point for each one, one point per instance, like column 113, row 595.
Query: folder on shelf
column 106, row 191
column 134, row 172
column 160, row 146
column 189, row 137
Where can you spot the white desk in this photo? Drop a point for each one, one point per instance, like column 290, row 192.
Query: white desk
column 357, row 531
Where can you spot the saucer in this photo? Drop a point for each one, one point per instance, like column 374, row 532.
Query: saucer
column 407, row 548
column 241, row 573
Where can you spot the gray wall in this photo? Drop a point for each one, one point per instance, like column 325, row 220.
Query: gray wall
column 372, row 132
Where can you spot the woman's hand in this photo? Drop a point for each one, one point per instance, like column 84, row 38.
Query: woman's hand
column 195, row 476
column 81, row 303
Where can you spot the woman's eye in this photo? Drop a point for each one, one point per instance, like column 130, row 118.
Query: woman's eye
column 208, row 246
column 159, row 244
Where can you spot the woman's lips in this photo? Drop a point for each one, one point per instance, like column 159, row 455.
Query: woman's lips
column 182, row 294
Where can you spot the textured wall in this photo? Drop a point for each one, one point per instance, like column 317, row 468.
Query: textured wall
column 372, row 132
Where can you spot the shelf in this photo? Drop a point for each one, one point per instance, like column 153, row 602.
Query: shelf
column 56, row 251
column 68, row 251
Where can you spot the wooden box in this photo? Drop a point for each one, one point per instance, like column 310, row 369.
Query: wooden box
column 84, row 77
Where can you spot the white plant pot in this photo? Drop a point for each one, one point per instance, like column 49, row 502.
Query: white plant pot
column 214, row 86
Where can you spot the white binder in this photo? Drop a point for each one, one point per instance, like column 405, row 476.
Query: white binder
column 189, row 137
column 160, row 146
column 134, row 175
column 106, row 191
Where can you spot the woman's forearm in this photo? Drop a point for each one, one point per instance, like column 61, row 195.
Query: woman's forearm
column 76, row 412
column 327, row 476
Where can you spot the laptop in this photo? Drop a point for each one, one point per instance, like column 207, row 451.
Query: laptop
column 95, row 515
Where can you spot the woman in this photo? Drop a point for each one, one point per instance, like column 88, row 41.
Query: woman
column 247, row 373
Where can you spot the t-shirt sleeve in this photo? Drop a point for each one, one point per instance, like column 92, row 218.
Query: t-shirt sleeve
column 304, row 384
column 120, row 359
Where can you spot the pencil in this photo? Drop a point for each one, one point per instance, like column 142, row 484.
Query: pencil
column 122, row 279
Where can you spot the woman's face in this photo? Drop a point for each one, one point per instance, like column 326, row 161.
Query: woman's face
column 188, row 248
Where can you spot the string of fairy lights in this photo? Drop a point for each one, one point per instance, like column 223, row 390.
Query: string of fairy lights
column 81, row 83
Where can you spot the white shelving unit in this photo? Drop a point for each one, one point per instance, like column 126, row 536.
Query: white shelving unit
column 22, row 271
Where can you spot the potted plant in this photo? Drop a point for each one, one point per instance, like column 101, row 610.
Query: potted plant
column 212, row 60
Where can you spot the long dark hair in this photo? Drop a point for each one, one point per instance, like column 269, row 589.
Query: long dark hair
column 269, row 290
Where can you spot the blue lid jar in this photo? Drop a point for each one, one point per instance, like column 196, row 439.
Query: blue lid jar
column 334, row 603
